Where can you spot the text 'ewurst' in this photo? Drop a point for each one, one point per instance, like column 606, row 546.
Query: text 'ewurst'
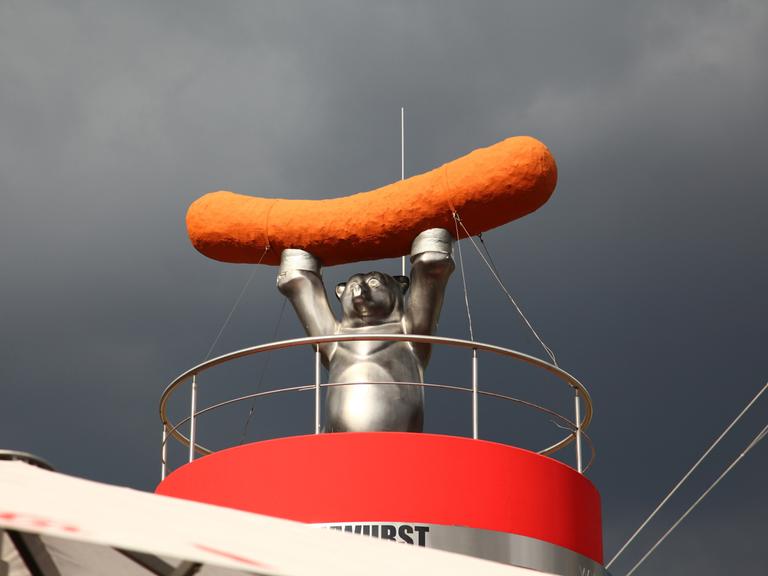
column 405, row 533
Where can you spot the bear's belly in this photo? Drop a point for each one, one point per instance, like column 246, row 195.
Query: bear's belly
column 374, row 408
column 374, row 362
column 363, row 406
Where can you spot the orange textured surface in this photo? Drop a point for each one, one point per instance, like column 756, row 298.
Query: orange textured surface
column 488, row 187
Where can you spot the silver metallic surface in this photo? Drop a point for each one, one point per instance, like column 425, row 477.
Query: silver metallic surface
column 577, row 417
column 474, row 395
column 373, row 303
column 299, row 260
column 164, row 453
column 318, row 381
column 437, row 240
column 503, row 547
column 192, row 422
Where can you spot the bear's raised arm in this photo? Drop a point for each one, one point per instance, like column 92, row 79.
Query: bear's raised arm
column 431, row 266
column 299, row 280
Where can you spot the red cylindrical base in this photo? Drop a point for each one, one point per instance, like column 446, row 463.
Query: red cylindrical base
column 400, row 477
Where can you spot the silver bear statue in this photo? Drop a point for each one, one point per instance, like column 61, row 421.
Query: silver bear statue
column 373, row 303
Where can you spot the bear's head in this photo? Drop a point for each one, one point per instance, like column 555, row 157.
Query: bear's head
column 372, row 298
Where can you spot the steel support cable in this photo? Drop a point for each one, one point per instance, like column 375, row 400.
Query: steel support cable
column 243, row 290
column 475, row 385
column 762, row 434
column 495, row 274
column 457, row 220
column 687, row 474
column 235, row 305
column 263, row 372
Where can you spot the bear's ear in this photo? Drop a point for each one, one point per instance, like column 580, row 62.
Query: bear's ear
column 404, row 282
column 340, row 289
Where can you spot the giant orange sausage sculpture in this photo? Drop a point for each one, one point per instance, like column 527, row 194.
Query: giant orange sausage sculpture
column 486, row 188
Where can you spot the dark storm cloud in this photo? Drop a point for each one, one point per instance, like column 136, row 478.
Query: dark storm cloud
column 646, row 271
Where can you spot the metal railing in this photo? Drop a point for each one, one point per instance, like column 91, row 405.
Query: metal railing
column 577, row 426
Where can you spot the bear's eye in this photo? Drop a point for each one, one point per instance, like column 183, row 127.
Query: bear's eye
column 374, row 283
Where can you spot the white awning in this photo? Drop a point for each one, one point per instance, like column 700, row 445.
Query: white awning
column 70, row 526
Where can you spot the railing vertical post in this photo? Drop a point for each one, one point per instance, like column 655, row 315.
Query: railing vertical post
column 192, row 422
column 577, row 410
column 474, row 395
column 164, row 453
column 317, row 388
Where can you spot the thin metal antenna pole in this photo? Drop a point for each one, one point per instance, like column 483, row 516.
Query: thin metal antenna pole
column 164, row 453
column 577, row 409
column 402, row 143
column 402, row 167
column 192, row 422
column 317, row 389
column 474, row 394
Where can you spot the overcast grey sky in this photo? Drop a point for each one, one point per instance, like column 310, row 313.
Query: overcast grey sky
column 646, row 271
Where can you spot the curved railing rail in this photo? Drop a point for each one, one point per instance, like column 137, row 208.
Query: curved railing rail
column 577, row 426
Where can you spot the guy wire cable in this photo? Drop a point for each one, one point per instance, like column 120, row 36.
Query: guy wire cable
column 762, row 434
column 494, row 273
column 236, row 304
column 457, row 220
column 687, row 474
column 263, row 371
